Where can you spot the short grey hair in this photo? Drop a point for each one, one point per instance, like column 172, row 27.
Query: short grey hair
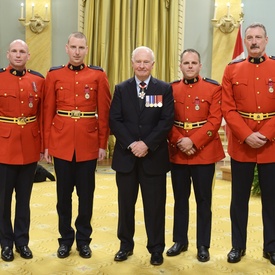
column 78, row 35
column 255, row 25
column 143, row 48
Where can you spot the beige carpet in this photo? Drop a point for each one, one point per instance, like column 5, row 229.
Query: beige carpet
column 105, row 244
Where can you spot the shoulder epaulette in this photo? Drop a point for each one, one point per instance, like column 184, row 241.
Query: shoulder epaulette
column 236, row 61
column 56, row 68
column 272, row 57
column 35, row 73
column 175, row 81
column 2, row 70
column 211, row 81
column 95, row 67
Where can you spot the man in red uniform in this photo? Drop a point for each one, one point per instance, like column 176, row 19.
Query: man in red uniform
column 248, row 105
column 20, row 138
column 77, row 102
column 194, row 146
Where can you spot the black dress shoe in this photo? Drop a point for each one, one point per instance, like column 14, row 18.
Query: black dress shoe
column 156, row 258
column 24, row 251
column 122, row 255
column 235, row 255
column 203, row 254
column 85, row 251
column 63, row 251
column 176, row 249
column 7, row 254
column 270, row 256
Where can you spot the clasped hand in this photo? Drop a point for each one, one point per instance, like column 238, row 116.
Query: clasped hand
column 139, row 149
column 256, row 140
column 185, row 145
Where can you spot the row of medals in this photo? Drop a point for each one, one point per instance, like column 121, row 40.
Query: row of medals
column 148, row 104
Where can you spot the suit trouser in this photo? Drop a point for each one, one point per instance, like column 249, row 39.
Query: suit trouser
column 70, row 174
column 202, row 178
column 242, row 178
column 18, row 178
column 153, row 191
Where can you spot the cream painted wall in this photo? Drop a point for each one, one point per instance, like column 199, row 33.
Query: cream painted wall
column 10, row 28
column 261, row 11
column 198, row 31
column 64, row 18
column 63, row 22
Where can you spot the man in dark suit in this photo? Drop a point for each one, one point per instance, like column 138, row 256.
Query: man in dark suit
column 141, row 116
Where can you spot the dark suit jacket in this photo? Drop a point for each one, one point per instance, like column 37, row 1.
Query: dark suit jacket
column 151, row 124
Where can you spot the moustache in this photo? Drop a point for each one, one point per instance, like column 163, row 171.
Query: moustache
column 254, row 47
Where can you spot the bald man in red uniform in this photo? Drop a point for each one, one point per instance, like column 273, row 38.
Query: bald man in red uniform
column 194, row 147
column 248, row 105
column 20, row 138
column 77, row 102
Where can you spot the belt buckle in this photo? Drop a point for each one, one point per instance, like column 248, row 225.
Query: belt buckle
column 188, row 126
column 21, row 121
column 258, row 116
column 75, row 114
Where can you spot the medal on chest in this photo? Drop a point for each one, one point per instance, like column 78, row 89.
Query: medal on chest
column 30, row 100
column 87, row 91
column 197, row 104
column 270, row 86
column 34, row 87
column 159, row 100
column 153, row 101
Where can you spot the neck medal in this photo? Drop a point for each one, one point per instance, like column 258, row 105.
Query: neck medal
column 142, row 87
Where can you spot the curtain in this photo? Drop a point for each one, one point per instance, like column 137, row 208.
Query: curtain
column 114, row 28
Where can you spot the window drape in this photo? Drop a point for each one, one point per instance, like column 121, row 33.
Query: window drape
column 115, row 27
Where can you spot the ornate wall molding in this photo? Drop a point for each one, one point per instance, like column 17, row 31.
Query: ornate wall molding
column 81, row 12
column 181, row 32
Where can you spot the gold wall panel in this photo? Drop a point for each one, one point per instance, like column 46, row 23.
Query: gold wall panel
column 224, row 43
column 40, row 44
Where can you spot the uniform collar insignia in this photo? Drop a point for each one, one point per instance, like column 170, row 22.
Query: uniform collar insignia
column 17, row 73
column 256, row 60
column 76, row 68
column 190, row 81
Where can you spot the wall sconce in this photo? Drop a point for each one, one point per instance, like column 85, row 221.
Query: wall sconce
column 37, row 24
column 227, row 23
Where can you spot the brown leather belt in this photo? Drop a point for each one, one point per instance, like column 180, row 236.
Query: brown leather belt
column 189, row 125
column 18, row 120
column 257, row 116
column 75, row 114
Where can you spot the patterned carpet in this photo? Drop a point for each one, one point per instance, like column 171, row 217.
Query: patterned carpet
column 105, row 244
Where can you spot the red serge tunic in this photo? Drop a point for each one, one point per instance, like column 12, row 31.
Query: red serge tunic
column 84, row 90
column 197, row 102
column 21, row 94
column 249, row 88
